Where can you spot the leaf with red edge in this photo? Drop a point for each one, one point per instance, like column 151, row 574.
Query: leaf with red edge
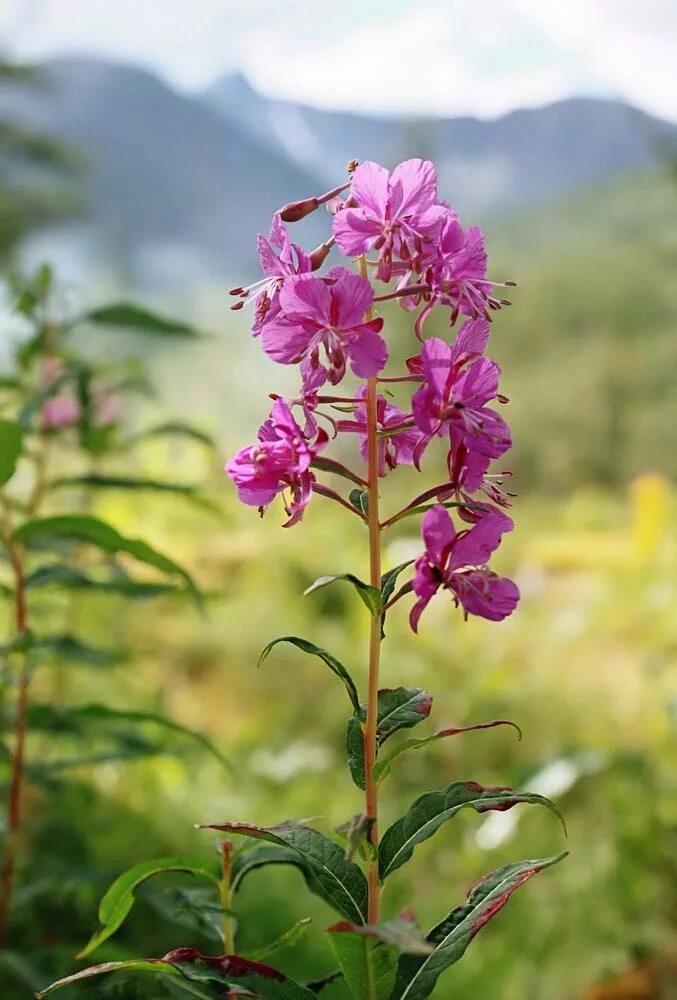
column 417, row 976
column 382, row 767
column 368, row 956
column 338, row 881
column 432, row 809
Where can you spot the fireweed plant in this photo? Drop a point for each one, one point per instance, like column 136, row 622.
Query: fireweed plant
column 409, row 246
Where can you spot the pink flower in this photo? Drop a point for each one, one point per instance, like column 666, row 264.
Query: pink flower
column 395, row 450
column 62, row 409
column 280, row 460
column 456, row 388
column 321, row 324
column 396, row 214
column 458, row 562
column 277, row 267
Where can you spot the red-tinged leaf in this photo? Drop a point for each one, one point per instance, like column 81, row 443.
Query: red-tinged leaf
column 234, row 971
column 433, row 809
column 398, row 708
column 370, row 596
column 327, row 871
column 382, row 767
column 417, row 976
column 368, row 956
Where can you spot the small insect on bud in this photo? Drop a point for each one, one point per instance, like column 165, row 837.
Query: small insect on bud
column 352, row 166
column 297, row 210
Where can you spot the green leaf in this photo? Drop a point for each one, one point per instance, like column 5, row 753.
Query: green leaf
column 370, row 596
column 432, row 809
column 176, row 428
column 286, row 940
column 368, row 956
column 124, row 483
column 135, row 965
column 66, row 647
column 83, row 528
column 388, row 581
column 360, row 500
column 119, row 900
column 382, row 767
column 258, row 857
column 356, row 833
column 133, row 317
column 309, row 647
column 398, row 708
column 338, row 881
column 11, row 439
column 64, row 576
column 417, row 977
column 78, row 720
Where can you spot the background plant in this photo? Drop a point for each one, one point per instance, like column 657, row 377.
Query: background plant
column 64, row 427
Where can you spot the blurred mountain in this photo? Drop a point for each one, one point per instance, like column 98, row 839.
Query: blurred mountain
column 176, row 187
column 511, row 162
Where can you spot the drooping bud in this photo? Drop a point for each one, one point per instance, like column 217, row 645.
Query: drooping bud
column 320, row 254
column 297, row 210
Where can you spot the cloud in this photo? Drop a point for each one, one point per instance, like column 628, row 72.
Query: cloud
column 439, row 56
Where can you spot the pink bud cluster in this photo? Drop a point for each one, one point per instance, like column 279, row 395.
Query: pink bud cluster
column 323, row 322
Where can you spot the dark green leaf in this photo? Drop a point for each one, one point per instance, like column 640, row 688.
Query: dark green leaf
column 388, row 581
column 258, row 857
column 368, row 956
column 11, row 437
column 260, row 980
column 83, row 528
column 64, row 576
column 382, row 767
column 309, row 647
column 433, row 809
column 369, row 596
column 398, row 708
column 176, row 428
column 286, row 940
column 78, row 720
column 119, row 900
column 330, row 465
column 133, row 317
column 338, row 881
column 417, row 977
column 360, row 501
column 130, row 484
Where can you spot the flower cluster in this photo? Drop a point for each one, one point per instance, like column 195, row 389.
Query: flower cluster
column 409, row 239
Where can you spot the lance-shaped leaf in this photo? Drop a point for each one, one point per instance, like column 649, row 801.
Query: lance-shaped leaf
column 370, row 596
column 398, row 708
column 368, row 956
column 289, row 939
column 325, row 464
column 382, row 767
column 417, row 976
column 432, row 809
column 318, row 985
column 175, row 428
column 130, row 484
column 119, row 900
column 338, row 881
column 11, row 437
column 258, row 857
column 69, row 577
column 133, row 317
column 388, row 581
column 227, row 972
column 309, row 647
column 68, row 648
column 83, row 528
column 102, row 721
column 154, row 965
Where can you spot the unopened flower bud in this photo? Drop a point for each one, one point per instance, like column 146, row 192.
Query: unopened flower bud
column 320, row 254
column 297, row 210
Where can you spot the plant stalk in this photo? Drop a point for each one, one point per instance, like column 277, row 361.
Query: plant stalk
column 14, row 808
column 227, row 897
column 371, row 727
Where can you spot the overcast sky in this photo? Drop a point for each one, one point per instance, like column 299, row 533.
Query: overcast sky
column 480, row 57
